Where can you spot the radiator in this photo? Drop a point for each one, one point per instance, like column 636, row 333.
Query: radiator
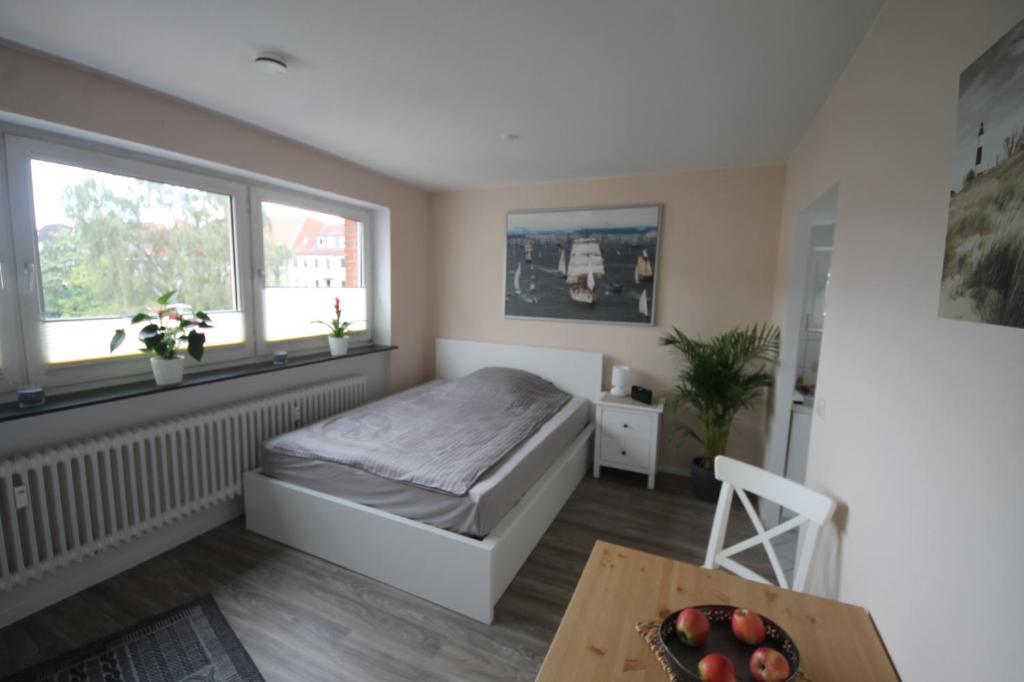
column 64, row 504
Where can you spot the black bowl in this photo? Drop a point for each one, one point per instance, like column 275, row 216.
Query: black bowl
column 684, row 658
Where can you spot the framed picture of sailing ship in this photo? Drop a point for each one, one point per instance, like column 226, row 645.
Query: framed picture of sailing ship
column 587, row 265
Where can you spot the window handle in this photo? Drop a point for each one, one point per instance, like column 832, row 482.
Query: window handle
column 30, row 276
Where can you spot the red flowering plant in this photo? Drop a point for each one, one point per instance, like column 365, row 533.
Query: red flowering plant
column 169, row 326
column 338, row 328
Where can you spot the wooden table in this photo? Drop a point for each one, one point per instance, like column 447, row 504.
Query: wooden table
column 597, row 639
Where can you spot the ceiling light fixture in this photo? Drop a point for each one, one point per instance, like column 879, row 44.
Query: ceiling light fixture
column 271, row 64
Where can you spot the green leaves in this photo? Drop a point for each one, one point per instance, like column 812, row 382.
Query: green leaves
column 164, row 333
column 338, row 329
column 196, row 340
column 334, row 329
column 720, row 377
column 149, row 331
column 117, row 340
column 204, row 319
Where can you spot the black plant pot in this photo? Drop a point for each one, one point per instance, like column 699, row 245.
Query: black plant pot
column 705, row 486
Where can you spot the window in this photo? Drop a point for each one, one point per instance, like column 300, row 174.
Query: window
column 316, row 232
column 96, row 237
column 107, row 245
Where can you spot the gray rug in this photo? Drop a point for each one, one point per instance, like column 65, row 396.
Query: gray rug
column 192, row 643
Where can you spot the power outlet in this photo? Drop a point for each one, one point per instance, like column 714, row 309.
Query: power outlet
column 296, row 413
column 819, row 407
column 20, row 497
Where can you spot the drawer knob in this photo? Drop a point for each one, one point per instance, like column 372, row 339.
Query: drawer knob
column 623, row 452
column 625, row 426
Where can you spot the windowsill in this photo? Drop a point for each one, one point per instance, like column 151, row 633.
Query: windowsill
column 68, row 401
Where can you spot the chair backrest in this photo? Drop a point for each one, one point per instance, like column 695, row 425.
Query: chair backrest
column 811, row 508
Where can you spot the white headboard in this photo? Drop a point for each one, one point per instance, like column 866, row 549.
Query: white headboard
column 575, row 371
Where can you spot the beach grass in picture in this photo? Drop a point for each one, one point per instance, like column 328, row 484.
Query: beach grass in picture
column 983, row 268
column 590, row 265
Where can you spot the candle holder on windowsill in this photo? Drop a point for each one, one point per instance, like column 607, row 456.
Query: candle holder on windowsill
column 31, row 396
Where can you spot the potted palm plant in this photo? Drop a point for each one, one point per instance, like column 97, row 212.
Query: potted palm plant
column 337, row 337
column 169, row 327
column 717, row 380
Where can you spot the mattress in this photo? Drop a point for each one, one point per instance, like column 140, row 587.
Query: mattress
column 476, row 513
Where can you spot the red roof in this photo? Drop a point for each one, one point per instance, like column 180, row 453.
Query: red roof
column 311, row 230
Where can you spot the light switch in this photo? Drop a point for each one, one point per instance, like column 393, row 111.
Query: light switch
column 819, row 407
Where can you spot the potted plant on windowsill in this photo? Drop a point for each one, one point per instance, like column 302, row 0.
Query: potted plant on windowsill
column 170, row 327
column 718, row 379
column 337, row 337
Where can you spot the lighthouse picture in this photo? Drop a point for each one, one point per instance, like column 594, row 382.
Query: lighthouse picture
column 977, row 156
column 983, row 266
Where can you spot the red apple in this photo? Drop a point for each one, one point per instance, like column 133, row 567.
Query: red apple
column 692, row 626
column 768, row 665
column 716, row 668
column 747, row 626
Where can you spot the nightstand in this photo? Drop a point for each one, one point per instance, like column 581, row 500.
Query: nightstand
column 627, row 436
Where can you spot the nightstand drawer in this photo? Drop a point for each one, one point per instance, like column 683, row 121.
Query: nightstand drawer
column 629, row 451
column 627, row 423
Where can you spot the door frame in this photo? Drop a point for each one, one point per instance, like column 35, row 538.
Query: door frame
column 818, row 212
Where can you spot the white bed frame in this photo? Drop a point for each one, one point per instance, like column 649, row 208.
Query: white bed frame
column 455, row 571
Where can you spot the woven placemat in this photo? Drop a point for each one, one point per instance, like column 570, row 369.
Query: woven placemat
column 650, row 631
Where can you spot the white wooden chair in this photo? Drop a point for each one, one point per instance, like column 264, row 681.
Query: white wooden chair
column 811, row 508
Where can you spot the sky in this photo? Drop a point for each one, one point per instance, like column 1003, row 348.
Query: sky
column 991, row 90
column 48, row 183
column 597, row 219
column 50, row 179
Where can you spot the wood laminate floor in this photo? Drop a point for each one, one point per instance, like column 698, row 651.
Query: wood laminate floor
column 302, row 618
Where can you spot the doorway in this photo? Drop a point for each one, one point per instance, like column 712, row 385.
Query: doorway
column 795, row 397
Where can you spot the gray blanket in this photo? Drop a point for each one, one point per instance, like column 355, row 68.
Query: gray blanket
column 443, row 435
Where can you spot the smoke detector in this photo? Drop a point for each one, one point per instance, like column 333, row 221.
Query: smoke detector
column 272, row 64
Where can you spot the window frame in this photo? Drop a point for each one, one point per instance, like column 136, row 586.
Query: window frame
column 12, row 368
column 259, row 193
column 21, row 368
column 19, row 151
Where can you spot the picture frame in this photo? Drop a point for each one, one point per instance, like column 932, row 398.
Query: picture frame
column 596, row 265
column 983, row 263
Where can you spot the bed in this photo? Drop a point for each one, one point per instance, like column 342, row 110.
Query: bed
column 466, row 547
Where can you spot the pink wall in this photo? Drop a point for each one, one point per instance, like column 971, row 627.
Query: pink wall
column 716, row 269
column 45, row 89
column 922, row 437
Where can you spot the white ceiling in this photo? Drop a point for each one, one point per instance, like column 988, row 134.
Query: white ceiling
column 422, row 89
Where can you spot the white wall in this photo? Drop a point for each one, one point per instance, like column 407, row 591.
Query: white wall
column 715, row 271
column 923, row 438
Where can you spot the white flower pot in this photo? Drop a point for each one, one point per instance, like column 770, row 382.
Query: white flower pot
column 168, row 372
column 339, row 345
